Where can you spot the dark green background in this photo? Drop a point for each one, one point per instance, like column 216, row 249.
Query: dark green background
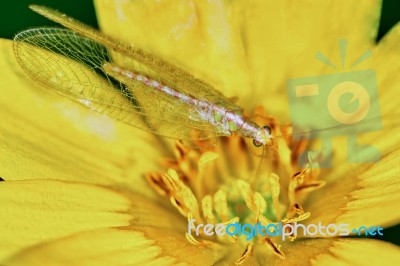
column 16, row 16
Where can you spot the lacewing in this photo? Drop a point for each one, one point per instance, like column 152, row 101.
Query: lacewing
column 129, row 84
column 136, row 88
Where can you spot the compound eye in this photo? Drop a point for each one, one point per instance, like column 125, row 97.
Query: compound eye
column 268, row 129
column 256, row 143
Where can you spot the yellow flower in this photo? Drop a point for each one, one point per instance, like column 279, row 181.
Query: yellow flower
column 83, row 189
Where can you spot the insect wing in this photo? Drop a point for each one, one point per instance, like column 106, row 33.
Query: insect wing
column 166, row 73
column 46, row 56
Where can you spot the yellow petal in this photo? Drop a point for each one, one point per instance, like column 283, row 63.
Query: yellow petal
column 387, row 63
column 244, row 49
column 338, row 251
column 44, row 135
column 117, row 246
column 33, row 211
column 366, row 197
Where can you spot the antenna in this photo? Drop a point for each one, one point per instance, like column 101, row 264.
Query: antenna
column 258, row 171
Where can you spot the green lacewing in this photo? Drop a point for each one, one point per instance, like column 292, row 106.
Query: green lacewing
column 138, row 89
column 130, row 85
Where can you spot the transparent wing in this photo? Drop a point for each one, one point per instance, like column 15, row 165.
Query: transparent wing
column 46, row 55
column 161, row 70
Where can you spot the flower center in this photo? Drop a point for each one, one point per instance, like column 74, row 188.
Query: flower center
column 230, row 184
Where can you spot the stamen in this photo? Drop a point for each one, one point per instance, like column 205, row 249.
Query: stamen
column 303, row 181
column 295, row 214
column 156, row 182
column 170, row 163
column 295, row 209
column 246, row 253
column 198, row 183
column 313, row 160
column 299, row 218
column 206, row 206
column 192, row 240
column 298, row 147
column 254, row 200
column 275, row 248
column 182, row 196
column 297, row 180
column 260, row 203
column 310, row 186
column 264, row 220
column 312, row 163
column 275, row 190
column 186, row 160
column 221, row 205
column 207, row 157
column 232, row 238
column 247, row 194
column 180, row 150
column 203, row 243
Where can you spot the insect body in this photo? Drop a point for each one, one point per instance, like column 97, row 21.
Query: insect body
column 128, row 84
column 225, row 121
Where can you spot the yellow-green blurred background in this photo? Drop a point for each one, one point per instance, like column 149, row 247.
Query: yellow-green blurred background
column 15, row 16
